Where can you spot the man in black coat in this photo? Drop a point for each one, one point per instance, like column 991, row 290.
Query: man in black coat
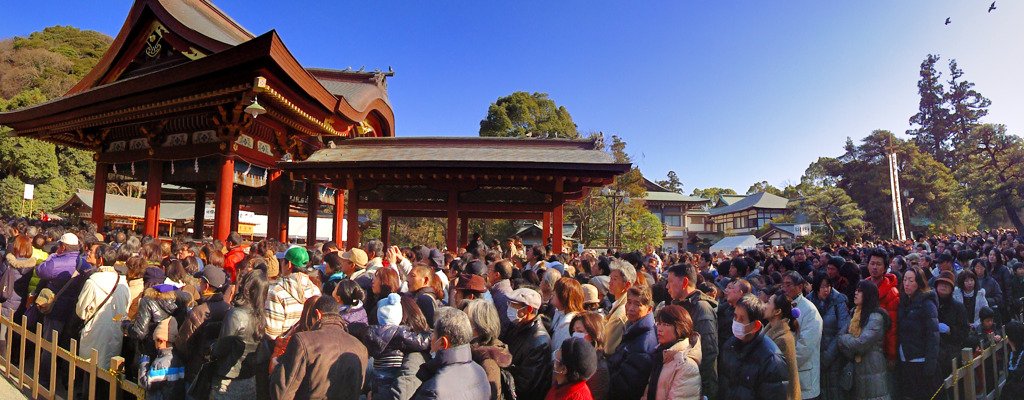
column 953, row 323
column 529, row 344
column 752, row 366
column 682, row 286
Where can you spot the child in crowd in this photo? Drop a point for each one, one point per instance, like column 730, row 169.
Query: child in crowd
column 1014, row 387
column 164, row 377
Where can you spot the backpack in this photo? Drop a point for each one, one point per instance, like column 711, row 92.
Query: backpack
column 508, row 385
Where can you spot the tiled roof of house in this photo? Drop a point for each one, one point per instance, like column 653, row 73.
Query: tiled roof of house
column 759, row 200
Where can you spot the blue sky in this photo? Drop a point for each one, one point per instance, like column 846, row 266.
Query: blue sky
column 726, row 93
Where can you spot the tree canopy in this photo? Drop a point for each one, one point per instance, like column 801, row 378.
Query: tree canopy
column 711, row 193
column 521, row 114
column 35, row 69
column 671, row 182
column 763, row 186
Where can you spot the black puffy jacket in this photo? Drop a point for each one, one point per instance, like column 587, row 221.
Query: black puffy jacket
column 754, row 370
column 383, row 341
column 703, row 311
column 918, row 330
column 530, row 346
column 630, row 365
column 154, row 307
column 953, row 314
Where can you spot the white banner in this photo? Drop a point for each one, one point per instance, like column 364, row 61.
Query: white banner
column 29, row 191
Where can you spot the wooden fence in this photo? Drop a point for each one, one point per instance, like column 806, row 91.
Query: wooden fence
column 969, row 381
column 26, row 377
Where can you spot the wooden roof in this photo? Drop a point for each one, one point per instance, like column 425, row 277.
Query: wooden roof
column 198, row 58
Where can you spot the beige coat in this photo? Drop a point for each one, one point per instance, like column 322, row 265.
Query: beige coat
column 680, row 375
column 615, row 325
column 780, row 333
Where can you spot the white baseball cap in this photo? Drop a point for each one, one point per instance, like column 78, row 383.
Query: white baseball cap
column 69, row 239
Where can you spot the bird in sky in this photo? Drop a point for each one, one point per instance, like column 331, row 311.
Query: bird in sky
column 948, row 21
column 992, row 7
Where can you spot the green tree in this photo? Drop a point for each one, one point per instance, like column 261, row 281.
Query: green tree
column 862, row 172
column 763, row 186
column 645, row 230
column 711, row 193
column 521, row 113
column 671, row 182
column 966, row 106
column 993, row 172
column 831, row 208
column 932, row 134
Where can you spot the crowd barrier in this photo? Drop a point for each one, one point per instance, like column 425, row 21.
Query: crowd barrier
column 25, row 377
column 968, row 380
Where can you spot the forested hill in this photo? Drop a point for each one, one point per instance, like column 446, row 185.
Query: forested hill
column 34, row 69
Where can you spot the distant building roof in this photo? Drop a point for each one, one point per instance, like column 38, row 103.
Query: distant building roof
column 673, row 196
column 123, row 206
column 758, row 200
column 728, row 199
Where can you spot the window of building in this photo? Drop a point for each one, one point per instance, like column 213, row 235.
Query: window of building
column 672, row 220
column 696, row 220
column 739, row 222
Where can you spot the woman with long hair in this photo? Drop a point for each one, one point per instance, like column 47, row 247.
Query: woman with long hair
column 971, row 295
column 589, row 326
column 240, row 350
column 863, row 344
column 488, row 351
column 782, row 326
column 918, row 331
column 676, row 371
column 993, row 291
column 385, row 282
column 567, row 299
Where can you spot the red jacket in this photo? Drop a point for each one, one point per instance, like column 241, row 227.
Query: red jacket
column 889, row 299
column 570, row 391
column 236, row 255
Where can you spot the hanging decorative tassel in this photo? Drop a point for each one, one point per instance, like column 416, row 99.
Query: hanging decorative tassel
column 115, row 169
column 265, row 174
column 197, row 165
column 133, row 168
column 172, row 167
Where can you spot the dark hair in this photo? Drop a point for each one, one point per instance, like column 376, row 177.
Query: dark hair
column 389, row 282
column 136, row 267
column 234, row 238
column 413, row 317
column 752, row 305
column 963, row 276
column 252, row 292
column 781, row 302
column 869, row 302
column 326, row 305
column 982, row 261
column 920, row 279
column 503, row 268
column 593, row 323
column 151, row 252
column 350, row 292
column 641, row 291
column 878, row 252
column 818, row 280
column 742, row 267
column 677, row 317
column 687, row 271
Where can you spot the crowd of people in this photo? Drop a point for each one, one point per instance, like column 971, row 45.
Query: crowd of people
column 205, row 319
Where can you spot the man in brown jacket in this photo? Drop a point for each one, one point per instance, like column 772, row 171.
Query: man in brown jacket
column 323, row 363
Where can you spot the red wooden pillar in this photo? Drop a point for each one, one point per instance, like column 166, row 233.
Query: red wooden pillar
column 558, row 197
column 156, row 174
column 546, row 229
column 99, row 195
column 452, row 234
column 199, row 215
column 274, row 209
column 312, row 209
column 385, row 228
column 222, row 204
column 464, row 231
column 339, row 216
column 353, row 216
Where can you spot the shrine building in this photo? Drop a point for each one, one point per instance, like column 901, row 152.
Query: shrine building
column 186, row 96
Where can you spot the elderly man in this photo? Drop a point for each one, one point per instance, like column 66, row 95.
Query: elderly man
column 451, row 373
column 623, row 277
column 374, row 251
column 529, row 344
column 808, row 340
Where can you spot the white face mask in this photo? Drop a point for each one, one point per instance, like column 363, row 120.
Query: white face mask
column 739, row 330
column 580, row 335
column 512, row 314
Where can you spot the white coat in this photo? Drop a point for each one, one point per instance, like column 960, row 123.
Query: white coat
column 102, row 332
column 808, row 348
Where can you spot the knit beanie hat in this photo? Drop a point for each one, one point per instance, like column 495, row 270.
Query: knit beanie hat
column 579, row 359
column 389, row 310
column 166, row 330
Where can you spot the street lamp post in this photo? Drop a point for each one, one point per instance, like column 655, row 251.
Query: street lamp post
column 616, row 196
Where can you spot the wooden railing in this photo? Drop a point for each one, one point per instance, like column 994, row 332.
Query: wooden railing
column 26, row 377
column 968, row 383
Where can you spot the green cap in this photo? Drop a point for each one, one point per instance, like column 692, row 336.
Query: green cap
column 296, row 255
